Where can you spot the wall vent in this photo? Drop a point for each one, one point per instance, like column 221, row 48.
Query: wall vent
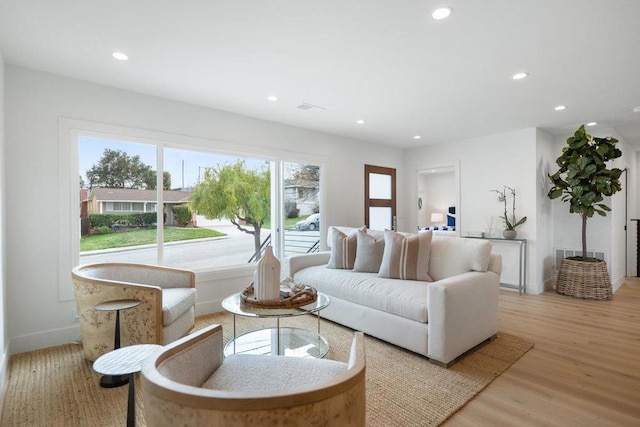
column 564, row 253
column 307, row 106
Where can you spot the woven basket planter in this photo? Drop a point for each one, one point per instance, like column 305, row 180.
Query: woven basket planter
column 581, row 279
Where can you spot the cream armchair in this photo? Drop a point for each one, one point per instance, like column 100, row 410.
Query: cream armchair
column 166, row 312
column 190, row 383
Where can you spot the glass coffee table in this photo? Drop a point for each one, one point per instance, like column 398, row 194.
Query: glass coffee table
column 284, row 341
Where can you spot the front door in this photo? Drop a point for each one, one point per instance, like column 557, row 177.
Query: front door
column 379, row 197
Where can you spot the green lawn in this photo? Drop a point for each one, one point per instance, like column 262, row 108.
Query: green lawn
column 143, row 237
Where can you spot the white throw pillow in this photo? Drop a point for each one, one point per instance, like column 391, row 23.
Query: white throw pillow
column 406, row 257
column 368, row 252
column 451, row 256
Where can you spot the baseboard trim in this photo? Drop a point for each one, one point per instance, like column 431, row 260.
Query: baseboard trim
column 44, row 339
column 4, row 376
column 208, row 307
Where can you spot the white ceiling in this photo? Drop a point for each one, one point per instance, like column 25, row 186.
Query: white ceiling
column 383, row 61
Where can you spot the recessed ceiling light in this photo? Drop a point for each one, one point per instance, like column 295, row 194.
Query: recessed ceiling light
column 520, row 76
column 417, row 137
column 560, row 107
column 441, row 13
column 592, row 124
column 120, row 56
column 272, row 98
column 360, row 122
column 636, row 109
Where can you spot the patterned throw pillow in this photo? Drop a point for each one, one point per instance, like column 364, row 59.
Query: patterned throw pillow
column 368, row 253
column 343, row 249
column 406, row 257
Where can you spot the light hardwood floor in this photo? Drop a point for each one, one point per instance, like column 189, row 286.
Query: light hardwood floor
column 583, row 371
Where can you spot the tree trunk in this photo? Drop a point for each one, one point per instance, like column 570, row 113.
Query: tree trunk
column 584, row 236
column 257, row 243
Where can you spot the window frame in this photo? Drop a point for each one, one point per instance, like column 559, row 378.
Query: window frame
column 69, row 132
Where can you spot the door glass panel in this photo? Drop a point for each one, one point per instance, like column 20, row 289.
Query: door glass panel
column 379, row 186
column 380, row 218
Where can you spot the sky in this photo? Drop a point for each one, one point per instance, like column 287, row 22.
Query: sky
column 91, row 149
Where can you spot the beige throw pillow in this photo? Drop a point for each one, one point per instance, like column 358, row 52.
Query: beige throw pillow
column 368, row 252
column 343, row 250
column 406, row 257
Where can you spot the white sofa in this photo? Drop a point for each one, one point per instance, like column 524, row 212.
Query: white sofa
column 440, row 319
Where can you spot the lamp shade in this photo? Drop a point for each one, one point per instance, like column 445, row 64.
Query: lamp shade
column 437, row 217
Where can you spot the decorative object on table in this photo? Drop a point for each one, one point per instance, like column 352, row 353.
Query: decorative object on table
column 290, row 295
column 583, row 180
column 266, row 279
column 509, row 224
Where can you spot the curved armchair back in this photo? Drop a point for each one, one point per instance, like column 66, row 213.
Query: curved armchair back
column 190, row 383
column 147, row 323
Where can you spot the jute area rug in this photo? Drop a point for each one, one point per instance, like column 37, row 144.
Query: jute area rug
column 57, row 386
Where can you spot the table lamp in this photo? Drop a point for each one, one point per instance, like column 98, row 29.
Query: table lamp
column 437, row 218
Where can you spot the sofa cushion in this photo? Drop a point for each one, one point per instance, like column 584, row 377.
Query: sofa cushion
column 406, row 257
column 368, row 252
column 175, row 301
column 451, row 256
column 400, row 297
column 343, row 248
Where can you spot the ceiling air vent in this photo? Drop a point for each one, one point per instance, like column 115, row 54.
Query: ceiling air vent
column 307, row 106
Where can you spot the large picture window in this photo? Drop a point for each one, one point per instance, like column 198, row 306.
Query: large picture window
column 206, row 210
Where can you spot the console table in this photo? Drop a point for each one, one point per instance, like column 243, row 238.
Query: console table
column 522, row 267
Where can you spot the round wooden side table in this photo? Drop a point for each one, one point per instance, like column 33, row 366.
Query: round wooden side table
column 110, row 381
column 126, row 361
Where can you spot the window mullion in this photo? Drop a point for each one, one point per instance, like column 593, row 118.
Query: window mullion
column 160, row 202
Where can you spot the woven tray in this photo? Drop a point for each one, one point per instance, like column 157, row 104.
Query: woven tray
column 580, row 279
column 299, row 295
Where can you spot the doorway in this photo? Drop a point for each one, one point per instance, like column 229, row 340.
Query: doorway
column 380, row 198
column 438, row 197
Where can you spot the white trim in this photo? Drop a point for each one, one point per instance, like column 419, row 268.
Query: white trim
column 68, row 207
column 44, row 339
column 160, row 202
column 4, row 376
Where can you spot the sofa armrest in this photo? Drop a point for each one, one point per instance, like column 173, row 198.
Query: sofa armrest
column 462, row 312
column 295, row 263
column 495, row 264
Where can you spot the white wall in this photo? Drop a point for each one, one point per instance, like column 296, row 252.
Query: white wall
column 545, row 261
column 35, row 103
column 488, row 163
column 4, row 337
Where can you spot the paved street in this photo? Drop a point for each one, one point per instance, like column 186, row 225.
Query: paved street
column 235, row 248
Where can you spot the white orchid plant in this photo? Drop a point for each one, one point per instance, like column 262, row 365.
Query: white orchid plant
column 510, row 224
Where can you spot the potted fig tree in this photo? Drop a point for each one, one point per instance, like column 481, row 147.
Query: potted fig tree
column 583, row 180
